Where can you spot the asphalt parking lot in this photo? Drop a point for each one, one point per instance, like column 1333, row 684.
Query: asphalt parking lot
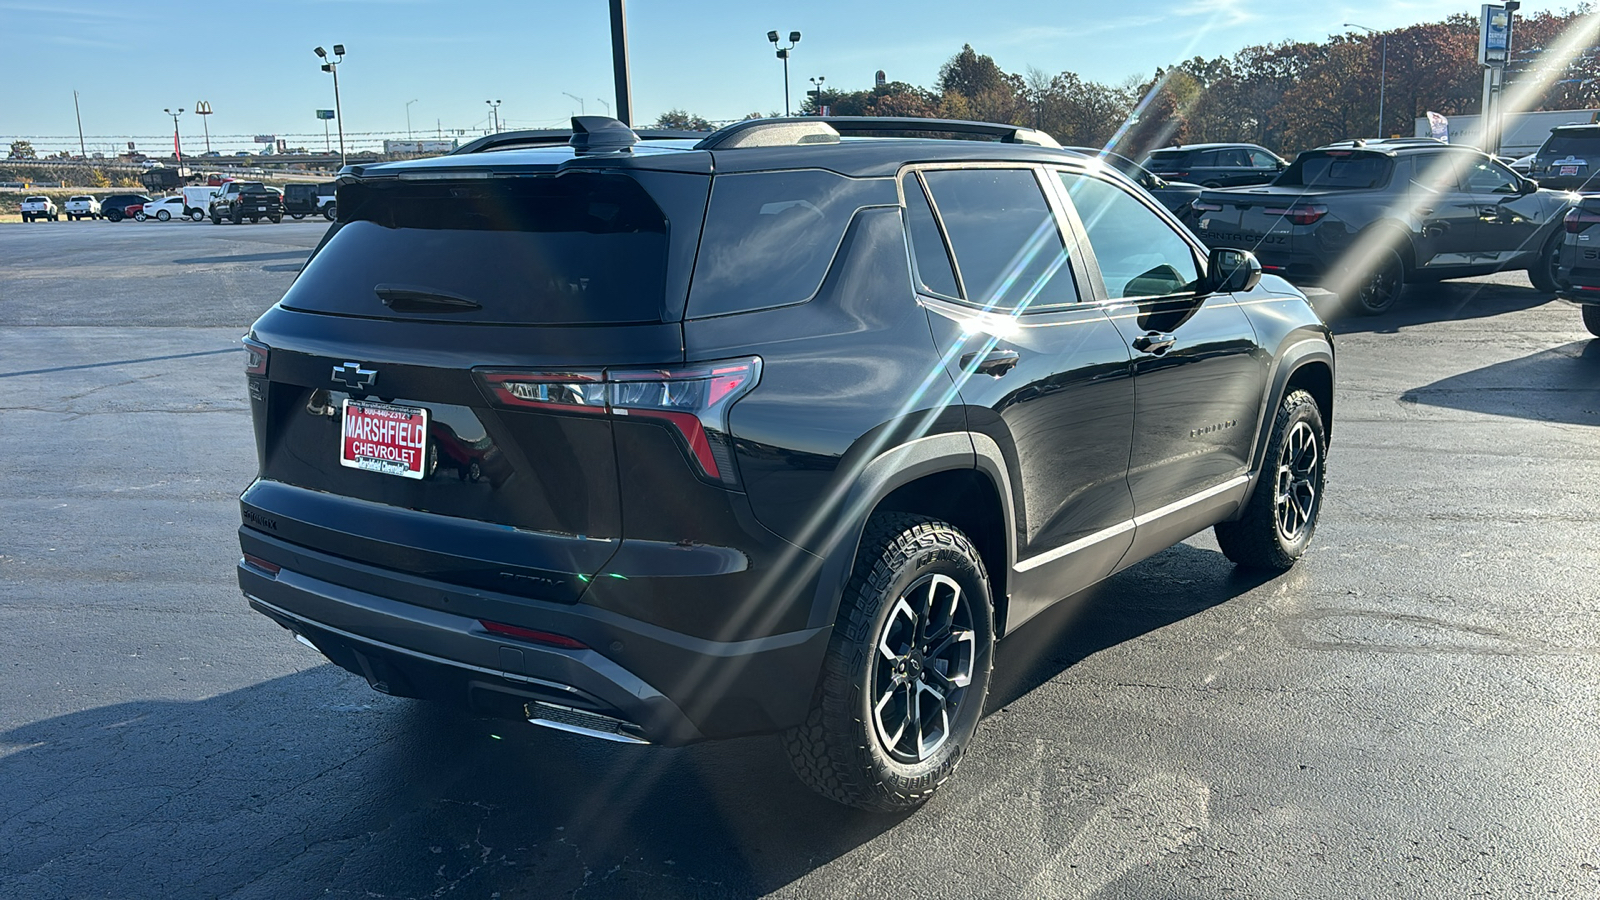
column 1414, row 711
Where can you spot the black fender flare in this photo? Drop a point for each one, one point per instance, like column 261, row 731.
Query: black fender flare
column 881, row 476
column 1295, row 356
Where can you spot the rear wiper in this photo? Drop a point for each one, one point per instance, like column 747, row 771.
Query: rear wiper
column 404, row 298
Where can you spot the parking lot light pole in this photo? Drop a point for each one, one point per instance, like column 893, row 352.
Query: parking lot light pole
column 408, row 118
column 580, row 102
column 817, row 83
column 202, row 108
column 1383, row 71
column 177, row 141
column 331, row 66
column 494, row 114
column 783, row 54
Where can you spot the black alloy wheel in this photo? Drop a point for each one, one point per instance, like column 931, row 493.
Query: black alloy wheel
column 1542, row 274
column 1378, row 284
column 1280, row 516
column 907, row 669
column 114, row 216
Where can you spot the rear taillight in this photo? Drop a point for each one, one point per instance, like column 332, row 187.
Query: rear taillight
column 1578, row 220
column 1205, row 206
column 1299, row 215
column 255, row 356
column 257, row 562
column 693, row 399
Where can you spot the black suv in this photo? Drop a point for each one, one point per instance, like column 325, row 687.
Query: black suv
column 1578, row 260
column 772, row 431
column 1569, row 159
column 115, row 206
column 1216, row 165
column 1365, row 217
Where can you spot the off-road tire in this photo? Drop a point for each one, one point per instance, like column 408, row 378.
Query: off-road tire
column 237, row 218
column 1542, row 274
column 1257, row 538
column 275, row 219
column 837, row 751
column 1591, row 319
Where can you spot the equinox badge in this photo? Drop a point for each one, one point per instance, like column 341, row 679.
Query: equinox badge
column 354, row 377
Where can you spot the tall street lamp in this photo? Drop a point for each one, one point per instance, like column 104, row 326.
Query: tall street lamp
column 494, row 113
column 1383, row 76
column 580, row 102
column 608, row 105
column 177, row 142
column 408, row 118
column 817, row 84
column 331, row 66
column 783, row 54
column 202, row 108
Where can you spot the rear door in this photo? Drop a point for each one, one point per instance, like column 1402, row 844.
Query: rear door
column 1038, row 364
column 1199, row 375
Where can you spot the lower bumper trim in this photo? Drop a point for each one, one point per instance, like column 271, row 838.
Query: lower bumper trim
column 577, row 721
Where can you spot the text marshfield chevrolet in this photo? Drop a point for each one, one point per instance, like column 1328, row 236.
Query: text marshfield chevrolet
column 775, row 429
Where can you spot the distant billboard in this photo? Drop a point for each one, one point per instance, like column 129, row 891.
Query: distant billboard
column 266, row 139
column 324, row 113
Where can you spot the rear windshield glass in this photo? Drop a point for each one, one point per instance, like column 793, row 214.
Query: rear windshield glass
column 1337, row 171
column 1567, row 143
column 771, row 236
column 558, row 250
column 1164, row 156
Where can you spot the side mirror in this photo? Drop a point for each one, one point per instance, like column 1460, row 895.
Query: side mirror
column 1230, row 271
column 1527, row 186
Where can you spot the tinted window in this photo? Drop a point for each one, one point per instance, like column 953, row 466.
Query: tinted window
column 927, row 245
column 562, row 250
column 1261, row 159
column 1337, row 170
column 770, row 236
column 1572, row 143
column 1233, row 157
column 1165, row 159
column 1139, row 253
column 1004, row 236
column 1486, row 177
column 1208, row 158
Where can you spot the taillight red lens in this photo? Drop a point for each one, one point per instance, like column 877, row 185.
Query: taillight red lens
column 1577, row 220
column 533, row 635
column 257, row 562
column 693, row 399
column 1300, row 215
column 255, row 356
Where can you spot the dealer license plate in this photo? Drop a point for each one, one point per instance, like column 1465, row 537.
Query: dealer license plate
column 1569, row 170
column 381, row 437
column 261, row 209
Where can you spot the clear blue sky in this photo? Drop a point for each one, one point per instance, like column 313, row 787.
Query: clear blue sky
column 130, row 60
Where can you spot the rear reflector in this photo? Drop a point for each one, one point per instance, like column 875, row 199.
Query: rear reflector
column 257, row 562
column 255, row 356
column 532, row 635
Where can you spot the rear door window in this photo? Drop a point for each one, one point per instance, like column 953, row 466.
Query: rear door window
column 934, row 272
column 1008, row 248
column 554, row 250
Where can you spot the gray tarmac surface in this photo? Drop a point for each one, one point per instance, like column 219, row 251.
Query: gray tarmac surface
column 1412, row 712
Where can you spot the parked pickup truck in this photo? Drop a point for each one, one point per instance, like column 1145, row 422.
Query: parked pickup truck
column 35, row 208
column 83, row 206
column 1363, row 218
column 240, row 200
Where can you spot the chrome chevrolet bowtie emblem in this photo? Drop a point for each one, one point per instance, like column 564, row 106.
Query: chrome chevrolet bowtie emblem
column 352, row 376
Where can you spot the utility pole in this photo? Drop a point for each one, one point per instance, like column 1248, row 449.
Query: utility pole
column 783, row 54
column 82, row 150
column 202, row 108
column 619, row 61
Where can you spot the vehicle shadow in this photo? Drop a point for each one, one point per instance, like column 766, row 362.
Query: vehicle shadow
column 243, row 258
column 1561, row 384
column 311, row 784
column 1173, row 585
column 1420, row 304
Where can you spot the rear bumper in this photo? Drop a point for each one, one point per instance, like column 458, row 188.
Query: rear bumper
column 659, row 686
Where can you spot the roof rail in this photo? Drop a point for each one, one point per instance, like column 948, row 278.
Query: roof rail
column 805, row 130
column 545, row 137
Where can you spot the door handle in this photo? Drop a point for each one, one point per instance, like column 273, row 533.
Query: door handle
column 1154, row 343
column 995, row 362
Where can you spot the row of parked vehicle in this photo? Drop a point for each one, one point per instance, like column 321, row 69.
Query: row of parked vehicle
column 231, row 201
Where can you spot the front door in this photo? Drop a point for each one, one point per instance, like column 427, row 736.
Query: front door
column 1199, row 375
column 1508, row 220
